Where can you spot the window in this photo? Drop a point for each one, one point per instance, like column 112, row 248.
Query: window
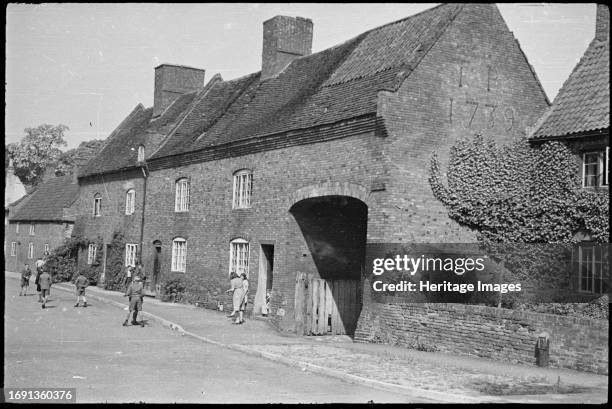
column 46, row 248
column 13, row 248
column 181, row 201
column 179, row 255
column 91, row 254
column 243, row 187
column 130, row 254
column 32, row 229
column 31, row 250
column 593, row 268
column 97, row 209
column 17, row 227
column 141, row 153
column 595, row 168
column 130, row 199
column 239, row 256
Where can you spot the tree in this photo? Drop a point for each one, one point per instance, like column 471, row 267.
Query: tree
column 85, row 151
column 38, row 149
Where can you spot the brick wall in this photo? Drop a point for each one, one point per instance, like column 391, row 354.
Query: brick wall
column 51, row 233
column 113, row 190
column 211, row 224
column 477, row 67
column 576, row 343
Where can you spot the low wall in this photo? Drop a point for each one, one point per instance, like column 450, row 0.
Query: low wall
column 506, row 335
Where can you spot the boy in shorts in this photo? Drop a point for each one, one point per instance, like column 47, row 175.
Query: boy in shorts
column 135, row 292
column 81, row 283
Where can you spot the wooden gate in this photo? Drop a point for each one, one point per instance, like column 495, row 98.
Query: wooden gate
column 326, row 307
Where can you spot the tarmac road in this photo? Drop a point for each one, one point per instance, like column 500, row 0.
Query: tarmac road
column 89, row 349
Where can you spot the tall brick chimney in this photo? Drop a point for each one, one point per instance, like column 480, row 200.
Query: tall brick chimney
column 284, row 39
column 172, row 81
column 602, row 24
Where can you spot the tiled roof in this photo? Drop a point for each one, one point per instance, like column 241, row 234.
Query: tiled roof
column 48, row 201
column 121, row 148
column 583, row 103
column 336, row 84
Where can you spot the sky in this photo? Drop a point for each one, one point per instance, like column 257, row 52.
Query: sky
column 88, row 65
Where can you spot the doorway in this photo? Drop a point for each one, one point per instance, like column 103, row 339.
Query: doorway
column 265, row 277
column 156, row 267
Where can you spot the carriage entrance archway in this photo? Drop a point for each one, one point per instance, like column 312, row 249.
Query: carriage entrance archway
column 332, row 223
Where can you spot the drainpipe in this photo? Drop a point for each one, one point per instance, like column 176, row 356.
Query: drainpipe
column 145, row 175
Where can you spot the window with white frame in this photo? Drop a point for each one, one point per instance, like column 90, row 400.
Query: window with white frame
column 97, row 207
column 17, row 227
column 130, row 200
column 179, row 255
column 32, row 228
column 46, row 248
column 91, row 253
column 141, row 153
column 31, row 250
column 243, row 188
column 593, row 268
column 130, row 254
column 181, row 199
column 595, row 168
column 239, row 256
column 13, row 248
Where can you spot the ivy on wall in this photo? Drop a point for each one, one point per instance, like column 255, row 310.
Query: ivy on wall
column 519, row 193
column 115, row 269
column 525, row 203
column 62, row 260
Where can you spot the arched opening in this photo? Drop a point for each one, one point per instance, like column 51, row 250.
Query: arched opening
column 328, row 293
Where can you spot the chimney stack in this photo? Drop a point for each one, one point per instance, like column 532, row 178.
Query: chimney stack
column 172, row 81
column 602, row 24
column 284, row 39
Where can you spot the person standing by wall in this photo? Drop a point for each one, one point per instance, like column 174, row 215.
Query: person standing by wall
column 129, row 273
column 26, row 273
column 44, row 282
column 244, row 287
column 236, row 291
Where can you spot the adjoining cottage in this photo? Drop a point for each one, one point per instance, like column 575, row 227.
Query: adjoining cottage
column 289, row 172
column 40, row 221
column 580, row 118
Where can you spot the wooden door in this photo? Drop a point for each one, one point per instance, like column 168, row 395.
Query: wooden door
column 326, row 307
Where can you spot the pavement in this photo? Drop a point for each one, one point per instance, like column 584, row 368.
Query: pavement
column 428, row 376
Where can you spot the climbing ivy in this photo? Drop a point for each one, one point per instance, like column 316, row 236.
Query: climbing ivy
column 518, row 193
column 525, row 204
column 115, row 271
column 62, row 260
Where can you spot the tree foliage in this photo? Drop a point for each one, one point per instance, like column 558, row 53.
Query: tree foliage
column 62, row 260
column 39, row 148
column 519, row 193
column 526, row 205
column 85, row 151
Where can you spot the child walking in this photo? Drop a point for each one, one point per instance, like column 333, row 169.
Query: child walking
column 81, row 284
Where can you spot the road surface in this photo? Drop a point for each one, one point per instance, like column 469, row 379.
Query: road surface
column 89, row 349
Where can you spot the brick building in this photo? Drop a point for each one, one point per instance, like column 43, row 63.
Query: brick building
column 289, row 172
column 40, row 221
column 580, row 118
